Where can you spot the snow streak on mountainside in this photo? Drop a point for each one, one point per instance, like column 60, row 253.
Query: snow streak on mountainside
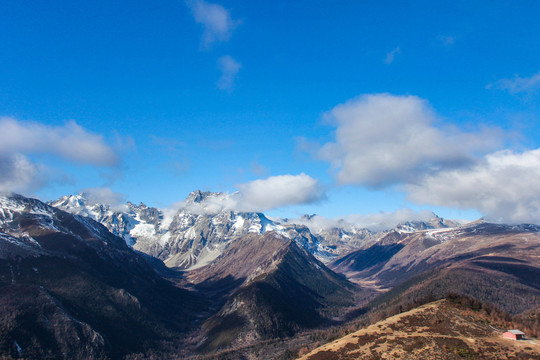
column 203, row 226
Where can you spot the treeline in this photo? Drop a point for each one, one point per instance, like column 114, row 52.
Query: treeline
column 502, row 291
column 529, row 323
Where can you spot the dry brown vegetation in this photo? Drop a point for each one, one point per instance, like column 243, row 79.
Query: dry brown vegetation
column 438, row 330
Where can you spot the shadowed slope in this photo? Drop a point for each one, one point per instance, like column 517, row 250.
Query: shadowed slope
column 277, row 289
column 69, row 288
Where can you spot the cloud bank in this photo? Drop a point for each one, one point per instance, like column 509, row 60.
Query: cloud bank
column 504, row 187
column 19, row 140
column 376, row 222
column 71, row 142
column 383, row 139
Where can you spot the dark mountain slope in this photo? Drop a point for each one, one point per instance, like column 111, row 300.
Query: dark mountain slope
column 71, row 289
column 365, row 262
column 277, row 289
column 496, row 264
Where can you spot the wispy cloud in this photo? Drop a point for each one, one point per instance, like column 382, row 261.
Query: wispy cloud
column 216, row 20
column 182, row 166
column 229, row 68
column 389, row 58
column 258, row 169
column 170, row 144
column 175, row 150
column 216, row 145
column 447, row 40
column 517, row 84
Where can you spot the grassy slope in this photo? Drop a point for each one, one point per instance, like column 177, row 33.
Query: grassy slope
column 439, row 330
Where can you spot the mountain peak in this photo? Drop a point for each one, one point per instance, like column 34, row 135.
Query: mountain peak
column 199, row 196
column 72, row 201
column 10, row 202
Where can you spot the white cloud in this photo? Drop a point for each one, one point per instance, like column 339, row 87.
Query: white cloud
column 19, row 139
column 71, row 142
column 517, row 84
column 216, row 20
column 229, row 68
column 104, row 195
column 504, row 187
column 385, row 220
column 384, row 139
column 213, row 203
column 389, row 58
column 278, row 191
column 259, row 195
column 19, row 174
column 374, row 222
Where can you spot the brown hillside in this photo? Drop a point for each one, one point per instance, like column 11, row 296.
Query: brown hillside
column 439, row 330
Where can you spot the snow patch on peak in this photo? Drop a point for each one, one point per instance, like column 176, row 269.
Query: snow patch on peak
column 10, row 203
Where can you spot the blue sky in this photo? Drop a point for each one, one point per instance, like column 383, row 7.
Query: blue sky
column 154, row 99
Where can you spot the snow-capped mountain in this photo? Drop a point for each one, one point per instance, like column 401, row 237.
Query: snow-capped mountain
column 128, row 221
column 435, row 222
column 23, row 220
column 202, row 227
column 193, row 235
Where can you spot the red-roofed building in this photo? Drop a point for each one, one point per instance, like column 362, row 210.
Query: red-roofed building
column 514, row 334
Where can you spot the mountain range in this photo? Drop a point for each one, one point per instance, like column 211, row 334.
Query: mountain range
column 200, row 228
column 81, row 279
